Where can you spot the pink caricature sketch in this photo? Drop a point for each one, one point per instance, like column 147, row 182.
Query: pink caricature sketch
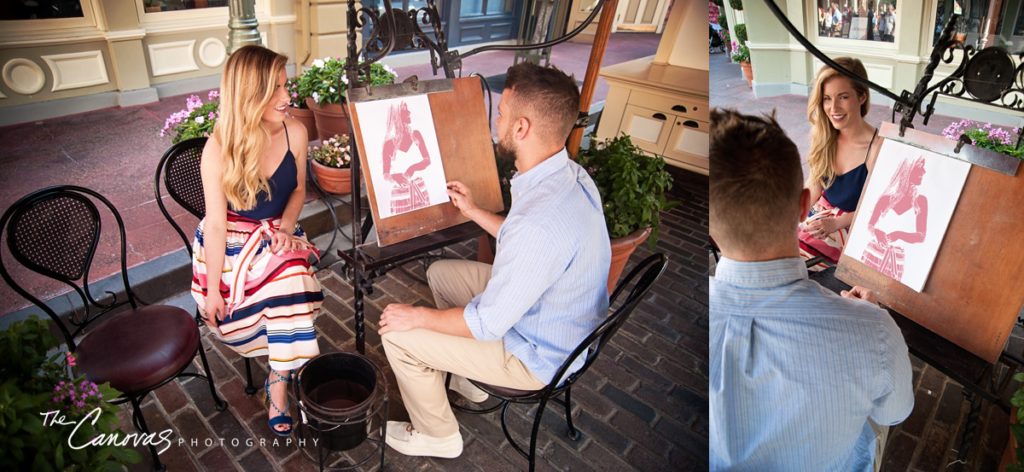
column 886, row 251
column 408, row 191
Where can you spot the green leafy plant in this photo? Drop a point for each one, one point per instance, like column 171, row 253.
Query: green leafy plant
column 325, row 81
column 723, row 21
column 740, row 52
column 35, row 382
column 736, row 4
column 632, row 185
column 335, row 152
column 197, row 119
column 741, row 33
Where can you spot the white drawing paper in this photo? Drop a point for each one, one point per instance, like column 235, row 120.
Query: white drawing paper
column 906, row 209
column 402, row 154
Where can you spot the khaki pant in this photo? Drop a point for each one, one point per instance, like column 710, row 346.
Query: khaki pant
column 421, row 358
column 881, row 437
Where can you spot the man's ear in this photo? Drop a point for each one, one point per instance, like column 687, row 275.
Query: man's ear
column 805, row 203
column 522, row 129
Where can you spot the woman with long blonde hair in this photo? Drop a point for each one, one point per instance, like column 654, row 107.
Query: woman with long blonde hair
column 843, row 152
column 264, row 296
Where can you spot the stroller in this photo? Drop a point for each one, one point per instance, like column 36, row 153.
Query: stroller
column 715, row 43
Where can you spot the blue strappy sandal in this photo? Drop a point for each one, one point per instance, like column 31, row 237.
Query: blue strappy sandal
column 282, row 417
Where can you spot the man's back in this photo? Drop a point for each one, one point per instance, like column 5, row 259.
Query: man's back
column 796, row 371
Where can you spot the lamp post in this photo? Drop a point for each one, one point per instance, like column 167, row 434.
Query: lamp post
column 243, row 25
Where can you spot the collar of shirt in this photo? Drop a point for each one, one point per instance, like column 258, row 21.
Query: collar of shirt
column 523, row 182
column 763, row 274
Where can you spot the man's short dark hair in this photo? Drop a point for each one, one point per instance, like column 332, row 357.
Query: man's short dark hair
column 755, row 181
column 546, row 95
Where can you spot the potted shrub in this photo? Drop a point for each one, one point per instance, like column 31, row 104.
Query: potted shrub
column 986, row 136
column 632, row 185
column 34, row 383
column 196, row 120
column 331, row 162
column 325, row 83
column 297, row 108
column 741, row 55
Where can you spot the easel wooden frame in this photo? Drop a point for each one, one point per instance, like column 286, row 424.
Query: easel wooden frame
column 972, row 301
column 464, row 141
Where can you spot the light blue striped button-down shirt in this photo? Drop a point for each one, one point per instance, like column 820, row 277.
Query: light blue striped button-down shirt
column 548, row 284
column 796, row 371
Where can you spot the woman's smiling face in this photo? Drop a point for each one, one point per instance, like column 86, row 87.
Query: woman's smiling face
column 841, row 103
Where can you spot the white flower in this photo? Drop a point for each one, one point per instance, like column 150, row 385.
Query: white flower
column 331, row 89
column 318, row 63
column 344, row 78
column 316, row 97
column 200, row 120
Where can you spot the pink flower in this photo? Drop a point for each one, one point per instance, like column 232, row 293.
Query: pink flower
column 213, row 95
column 70, row 358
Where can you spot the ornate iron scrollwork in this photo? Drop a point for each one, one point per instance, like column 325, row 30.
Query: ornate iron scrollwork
column 394, row 30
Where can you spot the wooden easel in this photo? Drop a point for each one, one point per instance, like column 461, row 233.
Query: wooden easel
column 464, row 140
column 975, row 290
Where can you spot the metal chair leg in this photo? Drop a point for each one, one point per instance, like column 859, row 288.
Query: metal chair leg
column 533, row 435
column 140, row 424
column 218, row 402
column 573, row 433
column 250, row 389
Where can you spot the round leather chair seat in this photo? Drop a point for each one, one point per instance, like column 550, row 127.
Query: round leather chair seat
column 137, row 349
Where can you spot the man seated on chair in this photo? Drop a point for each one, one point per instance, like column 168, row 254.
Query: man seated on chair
column 514, row 323
column 800, row 378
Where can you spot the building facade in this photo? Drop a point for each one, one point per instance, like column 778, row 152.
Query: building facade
column 894, row 39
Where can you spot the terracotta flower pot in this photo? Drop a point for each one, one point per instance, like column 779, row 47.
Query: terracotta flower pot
column 622, row 248
column 331, row 119
column 305, row 116
column 748, row 73
column 332, row 179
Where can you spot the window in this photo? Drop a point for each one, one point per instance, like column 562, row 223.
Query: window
column 153, row 6
column 1007, row 26
column 40, row 9
column 865, row 20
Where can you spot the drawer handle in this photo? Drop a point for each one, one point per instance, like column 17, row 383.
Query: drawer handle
column 679, row 108
column 691, row 124
column 659, row 116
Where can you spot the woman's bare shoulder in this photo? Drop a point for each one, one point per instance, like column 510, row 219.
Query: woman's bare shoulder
column 297, row 132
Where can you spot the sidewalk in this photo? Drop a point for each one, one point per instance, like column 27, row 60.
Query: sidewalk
column 115, row 151
column 928, row 439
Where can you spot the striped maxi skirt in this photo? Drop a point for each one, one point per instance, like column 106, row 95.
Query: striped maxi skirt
column 270, row 299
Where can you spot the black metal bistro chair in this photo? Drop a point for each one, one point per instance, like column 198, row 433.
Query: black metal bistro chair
column 178, row 171
column 55, row 232
column 645, row 274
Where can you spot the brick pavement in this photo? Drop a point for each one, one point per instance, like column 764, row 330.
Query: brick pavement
column 643, row 405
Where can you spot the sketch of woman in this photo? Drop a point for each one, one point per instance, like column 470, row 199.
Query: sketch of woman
column 408, row 191
column 883, row 253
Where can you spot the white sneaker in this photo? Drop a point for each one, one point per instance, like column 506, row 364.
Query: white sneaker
column 403, row 438
column 465, row 388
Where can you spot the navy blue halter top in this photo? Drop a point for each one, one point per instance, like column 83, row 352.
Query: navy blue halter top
column 282, row 183
column 844, row 193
